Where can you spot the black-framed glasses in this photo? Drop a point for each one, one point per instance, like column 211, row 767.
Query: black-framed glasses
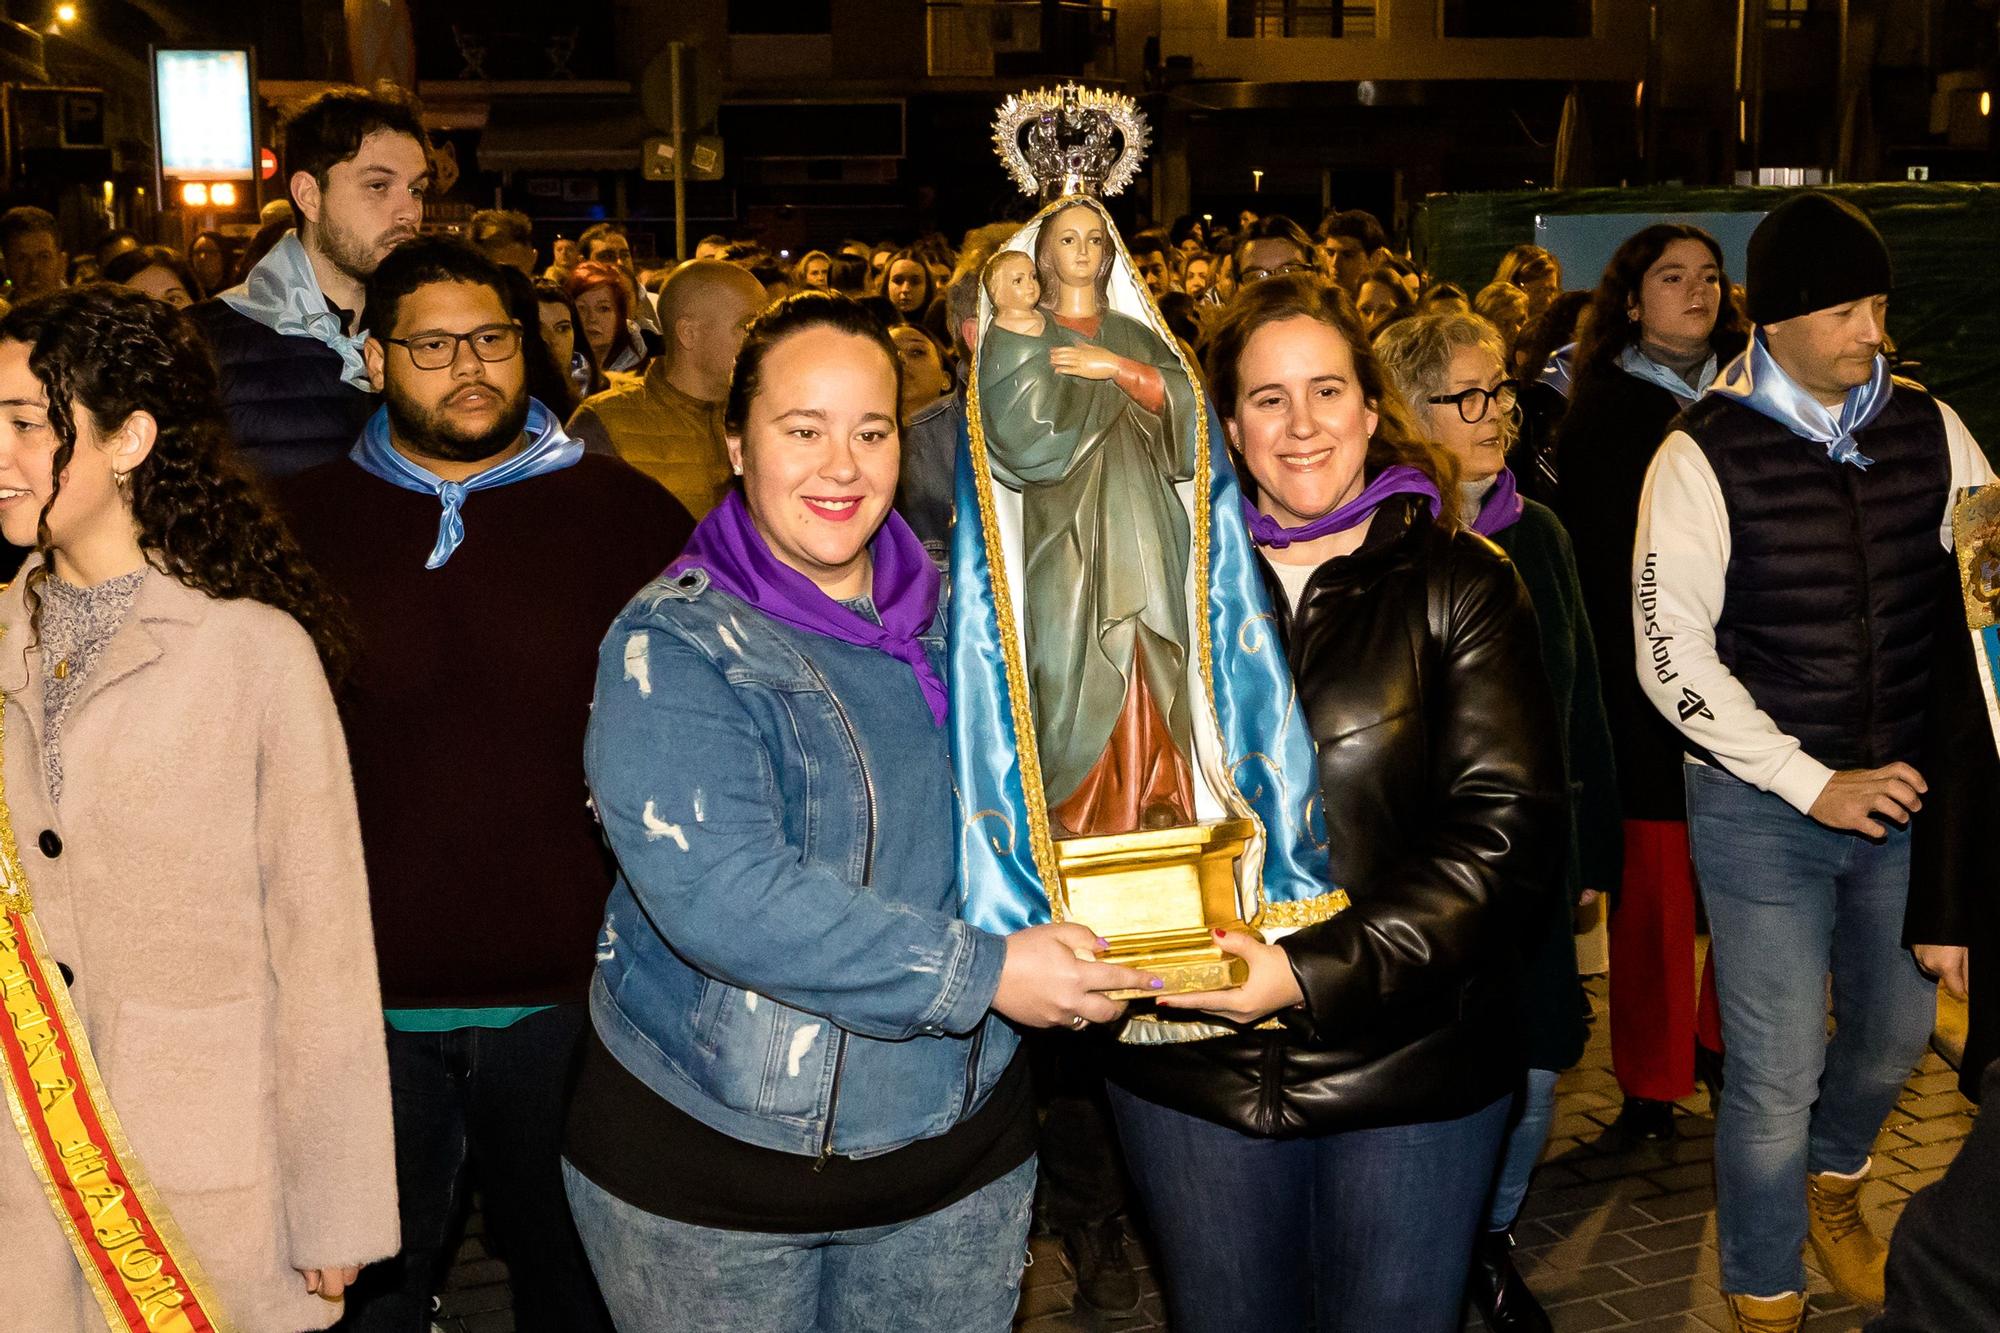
column 1473, row 403
column 1259, row 274
column 435, row 349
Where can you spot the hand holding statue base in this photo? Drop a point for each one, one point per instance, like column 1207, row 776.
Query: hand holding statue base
column 1159, row 896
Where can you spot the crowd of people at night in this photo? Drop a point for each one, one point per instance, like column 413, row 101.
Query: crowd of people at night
column 475, row 720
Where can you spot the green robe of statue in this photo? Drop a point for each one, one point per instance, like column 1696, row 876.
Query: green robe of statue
column 1105, row 540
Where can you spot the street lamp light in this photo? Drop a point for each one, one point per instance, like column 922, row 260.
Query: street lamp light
column 65, row 13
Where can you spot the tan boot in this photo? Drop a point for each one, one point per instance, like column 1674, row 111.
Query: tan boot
column 1772, row 1314
column 1849, row 1253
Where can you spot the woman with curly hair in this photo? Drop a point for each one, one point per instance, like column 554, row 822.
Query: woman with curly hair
column 1452, row 370
column 178, row 787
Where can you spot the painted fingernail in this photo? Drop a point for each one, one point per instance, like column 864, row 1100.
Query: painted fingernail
column 1103, row 943
column 1157, row 984
column 1220, row 933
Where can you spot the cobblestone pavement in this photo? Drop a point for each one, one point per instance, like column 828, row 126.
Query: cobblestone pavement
column 1610, row 1239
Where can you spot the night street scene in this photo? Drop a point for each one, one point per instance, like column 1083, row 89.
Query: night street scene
column 999, row 666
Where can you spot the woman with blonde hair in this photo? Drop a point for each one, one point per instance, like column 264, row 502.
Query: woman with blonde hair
column 814, row 270
column 1535, row 271
column 1452, row 369
column 1505, row 307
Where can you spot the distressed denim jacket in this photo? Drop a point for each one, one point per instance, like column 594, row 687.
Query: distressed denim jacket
column 762, row 967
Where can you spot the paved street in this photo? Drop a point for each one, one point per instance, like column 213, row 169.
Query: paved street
column 1611, row 1240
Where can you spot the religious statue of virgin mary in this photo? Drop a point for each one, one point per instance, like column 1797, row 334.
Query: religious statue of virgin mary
column 1088, row 428
column 1114, row 669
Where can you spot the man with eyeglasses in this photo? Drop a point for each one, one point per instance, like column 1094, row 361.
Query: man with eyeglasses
column 1270, row 246
column 480, row 553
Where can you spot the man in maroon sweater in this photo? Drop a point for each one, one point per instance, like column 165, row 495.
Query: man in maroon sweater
column 482, row 555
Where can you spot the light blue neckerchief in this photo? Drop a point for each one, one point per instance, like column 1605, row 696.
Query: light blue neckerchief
column 282, row 293
column 1642, row 367
column 1757, row 380
column 549, row 450
column 1558, row 372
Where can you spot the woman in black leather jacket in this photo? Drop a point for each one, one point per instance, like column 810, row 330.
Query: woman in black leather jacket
column 1325, row 1156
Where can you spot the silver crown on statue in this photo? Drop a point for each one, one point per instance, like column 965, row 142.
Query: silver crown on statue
column 1072, row 140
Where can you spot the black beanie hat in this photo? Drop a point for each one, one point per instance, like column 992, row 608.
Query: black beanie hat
column 1811, row 252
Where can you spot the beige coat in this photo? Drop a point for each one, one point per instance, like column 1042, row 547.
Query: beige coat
column 209, row 896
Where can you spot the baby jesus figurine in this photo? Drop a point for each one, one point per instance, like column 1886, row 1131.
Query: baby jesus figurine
column 1090, row 419
column 1016, row 294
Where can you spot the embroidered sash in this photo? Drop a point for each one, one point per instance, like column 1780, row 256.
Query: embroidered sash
column 1975, row 531
column 132, row 1255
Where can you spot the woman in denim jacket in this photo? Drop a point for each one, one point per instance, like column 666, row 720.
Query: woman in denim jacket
column 797, row 1109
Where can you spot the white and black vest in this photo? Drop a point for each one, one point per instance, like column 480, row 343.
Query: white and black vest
column 1836, row 576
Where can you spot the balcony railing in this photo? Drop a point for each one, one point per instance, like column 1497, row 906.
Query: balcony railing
column 489, row 41
column 1301, row 18
column 1019, row 38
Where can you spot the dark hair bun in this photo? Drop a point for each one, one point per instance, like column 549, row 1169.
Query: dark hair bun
column 795, row 314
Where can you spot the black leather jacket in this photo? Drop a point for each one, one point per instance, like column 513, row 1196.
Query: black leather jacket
column 1421, row 677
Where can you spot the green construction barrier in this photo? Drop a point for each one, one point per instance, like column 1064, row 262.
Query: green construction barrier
column 1944, row 238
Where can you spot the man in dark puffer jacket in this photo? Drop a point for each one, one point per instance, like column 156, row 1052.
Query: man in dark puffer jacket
column 286, row 338
column 1793, row 556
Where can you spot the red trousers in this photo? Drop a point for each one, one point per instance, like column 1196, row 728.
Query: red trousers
column 1654, row 1017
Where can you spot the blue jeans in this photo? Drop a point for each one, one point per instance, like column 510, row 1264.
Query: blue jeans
column 1535, row 1107
column 1790, row 901
column 1348, row 1233
column 957, row 1270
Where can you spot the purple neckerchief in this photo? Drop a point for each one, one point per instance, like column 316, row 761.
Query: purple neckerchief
column 728, row 548
column 1502, row 506
column 1400, row 479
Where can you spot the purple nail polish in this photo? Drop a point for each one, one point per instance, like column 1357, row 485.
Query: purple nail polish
column 1157, row 984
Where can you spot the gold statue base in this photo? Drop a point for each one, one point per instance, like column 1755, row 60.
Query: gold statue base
column 1159, row 896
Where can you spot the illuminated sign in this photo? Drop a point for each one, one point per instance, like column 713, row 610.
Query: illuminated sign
column 202, row 99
